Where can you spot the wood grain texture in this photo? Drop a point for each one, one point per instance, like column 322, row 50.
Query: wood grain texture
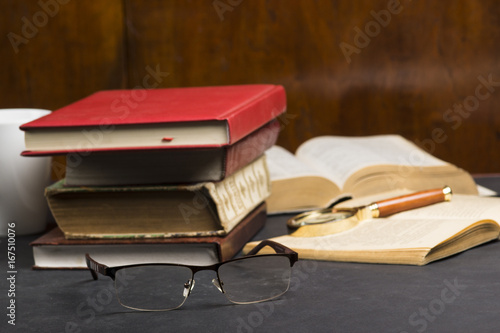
column 426, row 59
column 415, row 73
column 57, row 51
column 410, row 201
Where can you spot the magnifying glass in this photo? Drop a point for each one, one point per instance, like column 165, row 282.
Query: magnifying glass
column 329, row 221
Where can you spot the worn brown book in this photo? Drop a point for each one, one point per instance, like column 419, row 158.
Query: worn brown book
column 208, row 209
column 53, row 251
column 328, row 168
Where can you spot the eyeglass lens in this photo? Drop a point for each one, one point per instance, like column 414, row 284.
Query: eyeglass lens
column 255, row 279
column 153, row 287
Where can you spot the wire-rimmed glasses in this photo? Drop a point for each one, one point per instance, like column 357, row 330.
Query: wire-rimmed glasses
column 161, row 287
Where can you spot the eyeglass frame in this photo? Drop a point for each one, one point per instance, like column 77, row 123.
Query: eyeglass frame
column 280, row 249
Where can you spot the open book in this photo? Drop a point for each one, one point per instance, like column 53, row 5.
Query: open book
column 327, row 168
column 414, row 237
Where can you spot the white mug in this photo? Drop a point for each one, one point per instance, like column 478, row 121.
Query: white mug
column 23, row 208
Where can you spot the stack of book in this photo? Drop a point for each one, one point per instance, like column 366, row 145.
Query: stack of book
column 162, row 175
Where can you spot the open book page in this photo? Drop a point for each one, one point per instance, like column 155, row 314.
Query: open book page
column 382, row 234
column 284, row 165
column 340, row 157
column 296, row 186
column 424, row 227
column 460, row 207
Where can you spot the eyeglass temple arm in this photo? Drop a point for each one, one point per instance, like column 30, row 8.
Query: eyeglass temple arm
column 95, row 267
column 277, row 247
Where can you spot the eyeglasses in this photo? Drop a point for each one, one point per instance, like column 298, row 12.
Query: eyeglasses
column 161, row 287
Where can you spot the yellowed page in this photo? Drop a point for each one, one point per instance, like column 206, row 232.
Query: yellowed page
column 340, row 157
column 282, row 164
column 141, row 135
column 460, row 207
column 381, row 234
column 420, row 228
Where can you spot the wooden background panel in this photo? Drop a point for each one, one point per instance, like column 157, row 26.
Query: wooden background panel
column 429, row 59
column 410, row 64
column 57, row 51
column 349, row 67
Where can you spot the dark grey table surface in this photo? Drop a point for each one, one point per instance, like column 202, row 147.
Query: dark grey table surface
column 457, row 294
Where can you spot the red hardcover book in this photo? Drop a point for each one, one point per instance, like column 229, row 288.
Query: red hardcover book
column 53, row 251
column 156, row 118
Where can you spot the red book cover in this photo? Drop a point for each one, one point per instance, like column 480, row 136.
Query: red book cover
column 236, row 110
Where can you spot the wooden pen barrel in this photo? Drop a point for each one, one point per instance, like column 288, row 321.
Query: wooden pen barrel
column 411, row 201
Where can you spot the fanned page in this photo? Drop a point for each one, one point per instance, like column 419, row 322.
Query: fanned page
column 340, row 157
column 295, row 185
column 284, row 165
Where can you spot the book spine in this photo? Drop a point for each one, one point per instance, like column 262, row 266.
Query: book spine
column 251, row 147
column 229, row 246
column 240, row 193
column 256, row 113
